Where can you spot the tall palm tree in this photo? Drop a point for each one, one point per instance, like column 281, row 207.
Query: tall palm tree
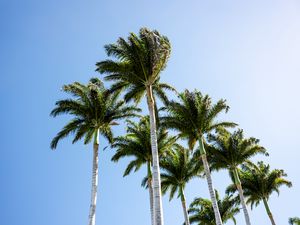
column 259, row 182
column 178, row 169
column 136, row 71
column 136, row 143
column 194, row 116
column 228, row 151
column 294, row 221
column 202, row 213
column 94, row 112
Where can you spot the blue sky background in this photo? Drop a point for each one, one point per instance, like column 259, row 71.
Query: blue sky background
column 245, row 51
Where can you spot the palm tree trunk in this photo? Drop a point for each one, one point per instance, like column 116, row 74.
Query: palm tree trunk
column 240, row 190
column 150, row 191
column 269, row 211
column 92, row 214
column 185, row 212
column 210, row 184
column 157, row 200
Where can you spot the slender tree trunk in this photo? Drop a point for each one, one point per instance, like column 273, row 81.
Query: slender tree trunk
column 240, row 190
column 92, row 214
column 157, row 200
column 185, row 212
column 269, row 211
column 150, row 191
column 210, row 184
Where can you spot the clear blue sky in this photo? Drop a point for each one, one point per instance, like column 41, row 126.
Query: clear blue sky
column 245, row 51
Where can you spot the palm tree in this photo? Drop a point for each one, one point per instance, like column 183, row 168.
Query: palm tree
column 136, row 143
column 194, row 117
column 136, row 70
column 259, row 182
column 95, row 111
column 179, row 169
column 202, row 213
column 294, row 220
column 228, row 151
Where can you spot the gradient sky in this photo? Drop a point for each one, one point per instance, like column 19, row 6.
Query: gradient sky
column 244, row 51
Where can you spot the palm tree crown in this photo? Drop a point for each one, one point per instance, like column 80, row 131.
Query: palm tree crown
column 229, row 150
column 94, row 110
column 139, row 62
column 137, row 143
column 201, row 210
column 259, row 182
column 178, row 169
column 195, row 116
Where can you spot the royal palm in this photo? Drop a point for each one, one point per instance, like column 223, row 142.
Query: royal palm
column 228, row 151
column 259, row 182
column 194, row 116
column 202, row 213
column 137, row 144
column 136, row 70
column 94, row 111
column 178, row 169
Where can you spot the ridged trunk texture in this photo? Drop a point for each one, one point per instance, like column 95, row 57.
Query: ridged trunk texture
column 157, row 200
column 92, row 214
column 185, row 212
column 150, row 192
column 241, row 194
column 269, row 211
column 210, row 184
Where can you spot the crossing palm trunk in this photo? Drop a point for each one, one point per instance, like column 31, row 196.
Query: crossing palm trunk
column 92, row 214
column 269, row 211
column 210, row 184
column 149, row 181
column 185, row 212
column 157, row 200
column 240, row 190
